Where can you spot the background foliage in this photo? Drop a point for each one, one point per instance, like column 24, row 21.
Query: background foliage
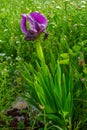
column 67, row 41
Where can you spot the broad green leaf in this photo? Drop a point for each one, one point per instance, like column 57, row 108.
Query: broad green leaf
column 65, row 55
column 57, row 80
column 65, row 61
column 70, row 80
column 57, row 119
column 76, row 48
column 85, row 70
column 48, row 94
column 64, row 90
column 68, row 105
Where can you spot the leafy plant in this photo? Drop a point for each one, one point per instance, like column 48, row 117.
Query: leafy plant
column 50, row 89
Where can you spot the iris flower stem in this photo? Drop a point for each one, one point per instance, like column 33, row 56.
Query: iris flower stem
column 40, row 52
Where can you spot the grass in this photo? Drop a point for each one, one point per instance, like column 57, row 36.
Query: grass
column 67, row 27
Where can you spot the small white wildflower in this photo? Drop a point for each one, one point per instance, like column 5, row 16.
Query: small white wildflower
column 3, row 9
column 18, row 58
column 83, row 2
column 83, row 79
column 75, row 25
column 39, row 7
column 46, row 3
column 17, row 41
column 82, row 6
column 66, row 0
column 5, row 30
column 2, row 54
column 81, row 24
column 0, row 40
column 58, row 7
column 8, row 57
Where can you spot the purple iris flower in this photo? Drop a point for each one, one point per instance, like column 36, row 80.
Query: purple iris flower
column 37, row 22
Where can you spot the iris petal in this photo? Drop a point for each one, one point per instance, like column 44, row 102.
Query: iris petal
column 23, row 24
column 40, row 18
column 37, row 22
column 32, row 23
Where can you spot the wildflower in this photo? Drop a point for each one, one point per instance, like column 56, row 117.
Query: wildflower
column 37, row 22
column 83, row 2
column 83, row 79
